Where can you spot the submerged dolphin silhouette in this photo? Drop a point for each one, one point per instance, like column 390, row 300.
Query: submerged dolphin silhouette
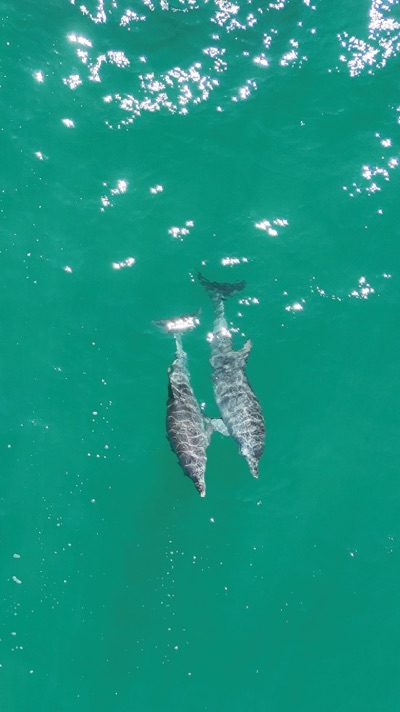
column 188, row 430
column 239, row 408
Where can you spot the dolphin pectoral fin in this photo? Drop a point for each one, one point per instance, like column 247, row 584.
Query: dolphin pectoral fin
column 219, row 426
column 212, row 425
column 208, row 428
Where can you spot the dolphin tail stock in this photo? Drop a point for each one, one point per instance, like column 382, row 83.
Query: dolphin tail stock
column 221, row 290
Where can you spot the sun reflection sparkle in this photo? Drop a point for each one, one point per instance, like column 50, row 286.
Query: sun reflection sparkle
column 270, row 226
column 190, row 81
column 125, row 263
column 295, row 307
column 249, row 300
column 79, row 39
column 131, row 16
column 73, row 81
column 120, row 189
column 364, row 290
column 100, row 16
column 382, row 43
column 231, row 261
column 181, row 232
column 261, row 60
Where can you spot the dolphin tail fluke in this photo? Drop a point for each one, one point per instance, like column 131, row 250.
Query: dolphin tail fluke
column 221, row 289
column 179, row 324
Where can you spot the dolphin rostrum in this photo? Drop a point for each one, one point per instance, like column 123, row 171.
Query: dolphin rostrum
column 239, row 408
column 188, row 430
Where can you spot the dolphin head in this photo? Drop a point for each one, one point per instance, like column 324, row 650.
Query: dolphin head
column 199, row 481
column 201, row 487
column 194, row 467
column 253, row 465
column 196, row 472
column 251, row 460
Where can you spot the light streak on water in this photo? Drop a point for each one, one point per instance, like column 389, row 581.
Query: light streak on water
column 124, row 263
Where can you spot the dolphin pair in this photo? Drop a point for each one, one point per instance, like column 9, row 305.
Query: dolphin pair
column 188, row 430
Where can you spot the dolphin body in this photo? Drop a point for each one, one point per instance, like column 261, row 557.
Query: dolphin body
column 239, row 408
column 188, row 430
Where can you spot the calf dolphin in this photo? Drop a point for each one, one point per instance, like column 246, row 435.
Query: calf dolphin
column 239, row 408
column 188, row 430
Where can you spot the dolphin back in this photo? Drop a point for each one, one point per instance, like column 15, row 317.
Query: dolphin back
column 221, row 289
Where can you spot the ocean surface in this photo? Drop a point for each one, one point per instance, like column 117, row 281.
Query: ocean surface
column 141, row 142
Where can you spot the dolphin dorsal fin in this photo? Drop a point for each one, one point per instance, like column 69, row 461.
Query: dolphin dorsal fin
column 243, row 354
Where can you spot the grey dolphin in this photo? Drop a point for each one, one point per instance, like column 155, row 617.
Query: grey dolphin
column 239, row 408
column 188, row 430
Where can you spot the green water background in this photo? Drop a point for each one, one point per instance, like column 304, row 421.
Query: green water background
column 121, row 589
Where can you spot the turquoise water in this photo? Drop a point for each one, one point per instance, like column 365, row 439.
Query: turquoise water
column 141, row 142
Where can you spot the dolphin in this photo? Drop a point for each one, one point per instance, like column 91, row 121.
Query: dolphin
column 239, row 408
column 189, row 431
